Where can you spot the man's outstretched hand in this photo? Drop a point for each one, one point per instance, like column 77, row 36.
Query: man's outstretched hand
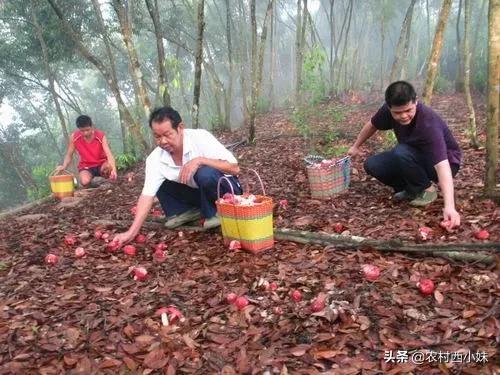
column 123, row 238
column 189, row 169
column 354, row 151
column 113, row 175
column 59, row 168
column 451, row 218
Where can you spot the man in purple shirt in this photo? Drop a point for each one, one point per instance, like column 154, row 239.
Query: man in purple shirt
column 426, row 151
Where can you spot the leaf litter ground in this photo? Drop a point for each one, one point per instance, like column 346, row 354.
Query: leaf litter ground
column 88, row 315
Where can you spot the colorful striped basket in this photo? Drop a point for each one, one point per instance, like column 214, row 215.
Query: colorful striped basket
column 328, row 182
column 63, row 185
column 252, row 225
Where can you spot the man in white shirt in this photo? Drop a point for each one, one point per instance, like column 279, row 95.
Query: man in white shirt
column 183, row 172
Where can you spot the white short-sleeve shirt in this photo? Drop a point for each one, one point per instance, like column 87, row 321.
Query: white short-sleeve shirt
column 196, row 143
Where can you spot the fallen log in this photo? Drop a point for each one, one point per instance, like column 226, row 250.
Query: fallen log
column 480, row 252
column 469, row 252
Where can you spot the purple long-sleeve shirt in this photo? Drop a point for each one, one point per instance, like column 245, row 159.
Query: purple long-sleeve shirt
column 427, row 132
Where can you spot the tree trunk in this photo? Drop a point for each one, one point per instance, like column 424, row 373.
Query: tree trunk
column 49, row 73
column 404, row 60
column 399, row 56
column 9, row 151
column 493, row 97
column 110, row 77
column 459, row 78
column 46, row 128
column 432, row 68
column 332, row 42
column 229, row 94
column 121, row 8
column 243, row 60
column 344, row 49
column 197, row 68
column 182, row 86
column 428, row 14
column 382, row 39
column 466, row 60
column 256, row 83
column 112, row 81
column 478, row 27
column 272, row 58
column 298, row 53
column 154, row 13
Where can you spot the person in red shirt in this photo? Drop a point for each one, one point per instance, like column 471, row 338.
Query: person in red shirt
column 92, row 146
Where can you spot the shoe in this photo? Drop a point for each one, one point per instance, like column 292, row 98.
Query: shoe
column 213, row 222
column 177, row 220
column 403, row 195
column 424, row 198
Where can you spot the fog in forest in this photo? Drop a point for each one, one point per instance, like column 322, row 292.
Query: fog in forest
column 104, row 58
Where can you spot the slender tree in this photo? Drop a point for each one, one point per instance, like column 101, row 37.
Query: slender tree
column 432, row 69
column 344, row 48
column 466, row 59
column 272, row 57
column 229, row 94
column 459, row 77
column 122, row 10
column 197, row 66
column 299, row 52
column 493, row 107
column 399, row 56
column 154, row 13
column 49, row 72
column 110, row 76
column 258, row 66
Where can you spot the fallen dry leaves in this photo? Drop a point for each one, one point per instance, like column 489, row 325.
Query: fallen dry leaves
column 87, row 315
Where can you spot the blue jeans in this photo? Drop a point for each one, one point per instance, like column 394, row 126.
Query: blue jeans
column 176, row 198
column 404, row 168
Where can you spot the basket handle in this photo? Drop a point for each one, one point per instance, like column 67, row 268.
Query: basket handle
column 53, row 173
column 218, row 185
column 345, row 159
column 260, row 180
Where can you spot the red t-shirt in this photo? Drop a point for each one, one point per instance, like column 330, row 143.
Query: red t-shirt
column 91, row 153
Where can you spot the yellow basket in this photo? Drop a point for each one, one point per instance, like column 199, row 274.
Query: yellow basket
column 62, row 185
column 252, row 226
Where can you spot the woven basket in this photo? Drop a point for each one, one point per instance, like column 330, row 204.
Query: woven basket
column 252, row 226
column 328, row 182
column 62, row 185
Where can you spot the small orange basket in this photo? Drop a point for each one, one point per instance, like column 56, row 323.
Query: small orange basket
column 251, row 225
column 62, row 185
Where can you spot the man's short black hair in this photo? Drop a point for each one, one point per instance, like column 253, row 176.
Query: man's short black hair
column 400, row 93
column 165, row 113
column 83, row 121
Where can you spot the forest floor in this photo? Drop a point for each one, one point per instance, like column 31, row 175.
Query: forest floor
column 88, row 315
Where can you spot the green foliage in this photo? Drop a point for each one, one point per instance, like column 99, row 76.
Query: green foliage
column 173, row 68
column 125, row 161
column 3, row 266
column 480, row 79
column 301, row 119
column 442, row 85
column 216, row 123
column 331, row 136
column 335, row 114
column 331, row 151
column 263, row 105
column 390, row 141
column 41, row 176
column 313, row 85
